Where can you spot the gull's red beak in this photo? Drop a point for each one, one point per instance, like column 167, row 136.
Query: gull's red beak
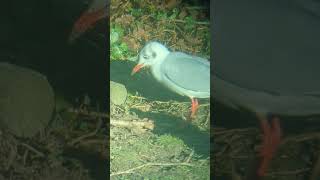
column 136, row 68
column 86, row 21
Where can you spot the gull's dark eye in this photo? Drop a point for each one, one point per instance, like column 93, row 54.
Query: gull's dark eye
column 154, row 54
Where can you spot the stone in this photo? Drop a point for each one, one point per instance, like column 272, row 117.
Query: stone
column 26, row 100
column 118, row 93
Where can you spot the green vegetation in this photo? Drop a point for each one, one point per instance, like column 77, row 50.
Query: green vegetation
column 135, row 22
column 119, row 50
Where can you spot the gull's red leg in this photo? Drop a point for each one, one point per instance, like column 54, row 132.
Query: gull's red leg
column 194, row 107
column 271, row 140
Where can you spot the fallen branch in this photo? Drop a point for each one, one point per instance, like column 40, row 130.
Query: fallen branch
column 315, row 173
column 91, row 113
column 285, row 173
column 196, row 22
column 40, row 154
column 147, row 165
column 73, row 142
column 148, row 124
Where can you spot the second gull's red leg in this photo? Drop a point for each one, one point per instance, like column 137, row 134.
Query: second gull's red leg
column 194, row 107
column 271, row 140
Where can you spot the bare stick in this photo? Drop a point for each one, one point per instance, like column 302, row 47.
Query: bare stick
column 33, row 149
column 149, row 164
column 133, row 124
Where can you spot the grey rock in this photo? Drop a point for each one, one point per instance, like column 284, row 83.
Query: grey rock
column 118, row 93
column 26, row 100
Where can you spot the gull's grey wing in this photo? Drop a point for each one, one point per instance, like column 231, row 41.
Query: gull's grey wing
column 261, row 49
column 187, row 72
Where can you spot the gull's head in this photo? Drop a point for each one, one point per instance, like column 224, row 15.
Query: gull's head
column 151, row 54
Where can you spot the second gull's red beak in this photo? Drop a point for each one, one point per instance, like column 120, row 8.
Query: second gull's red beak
column 85, row 22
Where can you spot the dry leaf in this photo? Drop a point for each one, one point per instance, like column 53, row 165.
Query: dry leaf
column 132, row 43
column 170, row 4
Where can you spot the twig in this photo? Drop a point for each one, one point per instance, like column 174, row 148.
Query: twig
column 92, row 113
column 82, row 137
column 227, row 131
column 86, row 135
column 196, row 7
column 190, row 156
column 301, row 138
column 293, row 172
column 25, row 155
column 196, row 22
column 32, row 149
column 149, row 164
column 12, row 156
column 316, row 169
column 137, row 97
column 207, row 119
column 133, row 124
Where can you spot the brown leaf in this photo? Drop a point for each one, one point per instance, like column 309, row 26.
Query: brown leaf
column 170, row 4
column 132, row 43
column 183, row 14
column 140, row 33
column 124, row 20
